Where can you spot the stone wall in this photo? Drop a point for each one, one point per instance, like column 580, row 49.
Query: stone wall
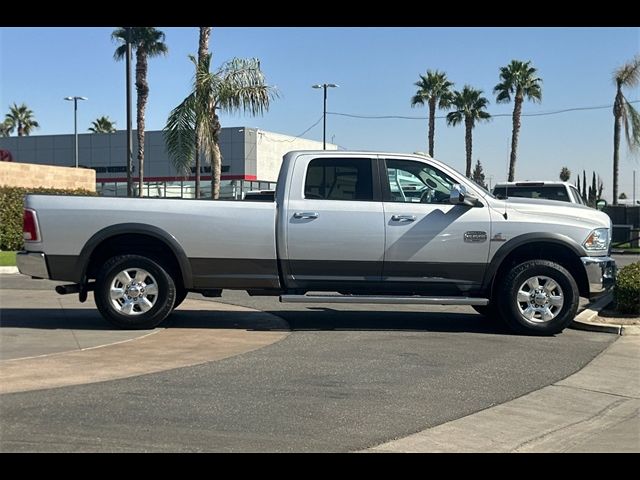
column 31, row 175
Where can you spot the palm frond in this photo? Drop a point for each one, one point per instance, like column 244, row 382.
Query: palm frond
column 628, row 75
column 632, row 126
column 242, row 87
column 454, row 118
column 179, row 134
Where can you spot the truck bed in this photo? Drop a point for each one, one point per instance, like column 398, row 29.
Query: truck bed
column 223, row 240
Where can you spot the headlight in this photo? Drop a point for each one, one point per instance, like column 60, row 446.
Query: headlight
column 597, row 240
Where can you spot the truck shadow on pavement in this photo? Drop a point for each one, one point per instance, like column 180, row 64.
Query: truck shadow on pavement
column 320, row 318
column 316, row 318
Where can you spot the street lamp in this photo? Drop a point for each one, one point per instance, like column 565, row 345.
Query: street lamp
column 75, row 120
column 324, row 114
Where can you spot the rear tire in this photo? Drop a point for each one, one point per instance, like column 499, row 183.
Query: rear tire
column 538, row 297
column 134, row 292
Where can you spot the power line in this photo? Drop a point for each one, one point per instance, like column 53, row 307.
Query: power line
column 405, row 117
column 296, row 136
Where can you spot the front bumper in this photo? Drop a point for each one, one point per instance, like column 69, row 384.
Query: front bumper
column 32, row 263
column 601, row 274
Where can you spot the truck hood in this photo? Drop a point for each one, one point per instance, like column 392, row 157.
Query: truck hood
column 572, row 212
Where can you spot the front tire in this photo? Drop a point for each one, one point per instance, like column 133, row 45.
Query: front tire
column 538, row 297
column 134, row 292
column 181, row 294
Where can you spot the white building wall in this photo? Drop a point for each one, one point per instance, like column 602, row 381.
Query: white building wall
column 271, row 147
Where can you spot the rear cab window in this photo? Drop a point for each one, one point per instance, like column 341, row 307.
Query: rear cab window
column 339, row 179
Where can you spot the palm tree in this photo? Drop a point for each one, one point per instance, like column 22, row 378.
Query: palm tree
column 4, row 129
column 565, row 174
column 203, row 51
column 103, row 125
column 518, row 79
column 469, row 105
column 148, row 42
column 435, row 90
column 627, row 76
column 238, row 84
column 20, row 117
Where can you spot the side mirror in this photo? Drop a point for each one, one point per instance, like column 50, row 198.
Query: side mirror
column 459, row 196
column 600, row 204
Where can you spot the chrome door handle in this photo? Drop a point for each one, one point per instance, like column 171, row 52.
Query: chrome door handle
column 306, row 215
column 403, row 218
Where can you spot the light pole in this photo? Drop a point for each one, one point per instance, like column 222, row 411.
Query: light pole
column 75, row 120
column 324, row 111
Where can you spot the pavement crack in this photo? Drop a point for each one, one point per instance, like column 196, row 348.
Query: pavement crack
column 596, row 391
column 532, row 443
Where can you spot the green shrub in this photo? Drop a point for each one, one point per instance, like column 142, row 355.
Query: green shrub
column 627, row 289
column 11, row 206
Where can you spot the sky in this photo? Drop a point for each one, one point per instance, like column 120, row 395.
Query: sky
column 375, row 68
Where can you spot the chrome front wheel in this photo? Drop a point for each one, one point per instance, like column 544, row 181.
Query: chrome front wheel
column 540, row 299
column 537, row 297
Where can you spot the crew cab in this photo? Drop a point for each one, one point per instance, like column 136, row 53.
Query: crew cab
column 344, row 227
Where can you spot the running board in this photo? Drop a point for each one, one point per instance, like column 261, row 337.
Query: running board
column 384, row 299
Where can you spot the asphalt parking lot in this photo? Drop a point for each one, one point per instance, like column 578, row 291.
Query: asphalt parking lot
column 339, row 379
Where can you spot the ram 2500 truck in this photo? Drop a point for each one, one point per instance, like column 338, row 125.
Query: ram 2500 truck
column 344, row 227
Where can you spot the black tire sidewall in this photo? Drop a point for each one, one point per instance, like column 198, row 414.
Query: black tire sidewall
column 181, row 294
column 508, row 293
column 163, row 304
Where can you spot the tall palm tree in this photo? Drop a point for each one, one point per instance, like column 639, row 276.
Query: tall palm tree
column 517, row 80
column 237, row 85
column 148, row 42
column 20, row 118
column 203, row 51
column 103, row 125
column 434, row 89
column 469, row 106
column 627, row 76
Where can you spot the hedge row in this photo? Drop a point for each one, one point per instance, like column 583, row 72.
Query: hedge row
column 11, row 207
column 627, row 289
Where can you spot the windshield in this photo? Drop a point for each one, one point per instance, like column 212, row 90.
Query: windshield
column 484, row 189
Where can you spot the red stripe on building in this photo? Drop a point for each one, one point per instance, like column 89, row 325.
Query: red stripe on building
column 177, row 179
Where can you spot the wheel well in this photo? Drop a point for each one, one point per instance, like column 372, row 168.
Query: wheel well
column 554, row 252
column 135, row 244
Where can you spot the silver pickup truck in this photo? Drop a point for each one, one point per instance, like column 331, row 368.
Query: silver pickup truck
column 344, row 227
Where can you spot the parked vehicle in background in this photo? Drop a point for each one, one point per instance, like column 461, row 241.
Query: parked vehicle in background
column 550, row 190
column 260, row 195
column 344, row 227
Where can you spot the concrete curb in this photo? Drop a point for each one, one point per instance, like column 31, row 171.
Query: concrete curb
column 9, row 270
column 585, row 320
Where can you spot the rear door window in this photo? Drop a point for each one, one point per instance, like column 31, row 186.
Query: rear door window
column 339, row 179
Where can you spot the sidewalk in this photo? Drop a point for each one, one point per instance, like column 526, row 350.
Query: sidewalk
column 594, row 410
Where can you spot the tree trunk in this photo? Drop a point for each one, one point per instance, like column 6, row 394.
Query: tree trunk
column 517, row 111
column 468, row 125
column 20, row 129
column 216, row 161
column 617, row 115
column 142, row 89
column 432, row 124
column 203, row 50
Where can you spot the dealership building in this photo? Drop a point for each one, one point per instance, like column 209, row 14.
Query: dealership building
column 251, row 160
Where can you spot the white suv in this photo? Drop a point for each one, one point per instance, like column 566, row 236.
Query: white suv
column 550, row 190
